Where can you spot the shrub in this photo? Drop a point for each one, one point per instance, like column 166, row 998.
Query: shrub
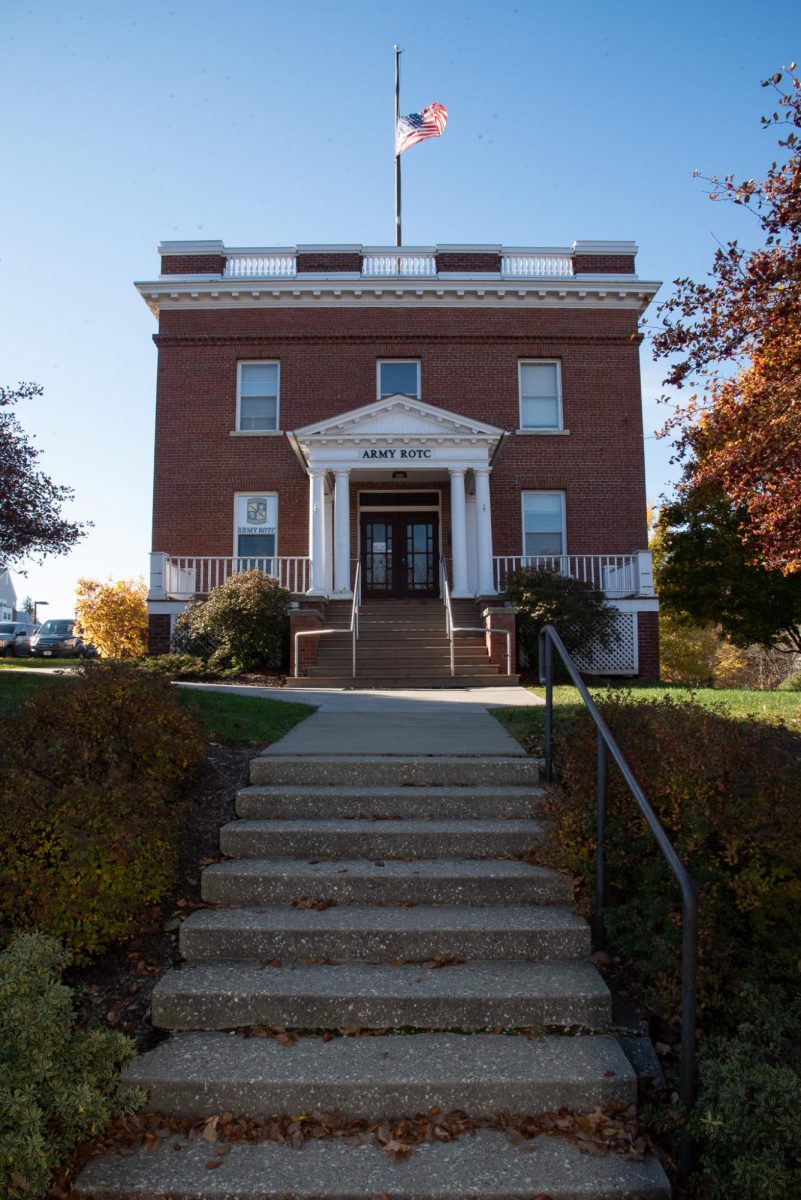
column 542, row 596
column 89, row 815
column 746, row 1116
column 58, row 1085
column 728, row 794
column 191, row 637
column 248, row 615
column 687, row 653
column 791, row 684
column 113, row 616
column 183, row 666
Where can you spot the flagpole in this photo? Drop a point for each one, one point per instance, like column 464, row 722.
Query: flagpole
column 397, row 156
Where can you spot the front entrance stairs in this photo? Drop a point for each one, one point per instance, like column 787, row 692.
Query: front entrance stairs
column 389, row 895
column 403, row 643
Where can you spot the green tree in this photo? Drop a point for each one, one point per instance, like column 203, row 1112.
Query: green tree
column 705, row 574
column 31, row 523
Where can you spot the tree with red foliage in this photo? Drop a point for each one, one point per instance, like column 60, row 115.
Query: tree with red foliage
column 737, row 341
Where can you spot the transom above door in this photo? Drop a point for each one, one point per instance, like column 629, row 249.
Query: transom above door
column 400, row 553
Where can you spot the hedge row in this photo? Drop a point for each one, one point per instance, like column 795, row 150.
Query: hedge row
column 90, row 808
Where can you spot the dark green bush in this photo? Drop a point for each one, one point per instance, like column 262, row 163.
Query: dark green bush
column 191, row 637
column 246, row 620
column 542, row 596
column 728, row 793
column 58, row 1085
column 791, row 684
column 746, row 1116
column 184, row 666
column 90, row 818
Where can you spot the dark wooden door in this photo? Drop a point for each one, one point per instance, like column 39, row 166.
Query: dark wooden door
column 400, row 553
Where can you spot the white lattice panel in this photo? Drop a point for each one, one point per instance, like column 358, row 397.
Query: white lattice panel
column 620, row 658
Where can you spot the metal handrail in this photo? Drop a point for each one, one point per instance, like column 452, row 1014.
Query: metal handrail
column 451, row 629
column 354, row 610
column 352, row 629
column 548, row 639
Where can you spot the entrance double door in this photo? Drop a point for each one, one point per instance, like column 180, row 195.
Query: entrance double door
column 400, row 552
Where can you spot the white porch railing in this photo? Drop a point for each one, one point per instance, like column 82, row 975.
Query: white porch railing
column 188, row 577
column 615, row 575
column 535, row 266
column 259, row 266
column 382, row 266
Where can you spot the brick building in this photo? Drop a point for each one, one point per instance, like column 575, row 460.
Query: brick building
column 450, row 408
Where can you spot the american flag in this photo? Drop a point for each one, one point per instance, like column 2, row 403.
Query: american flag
column 416, row 127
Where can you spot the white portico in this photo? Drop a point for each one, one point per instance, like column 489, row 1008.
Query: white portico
column 395, row 439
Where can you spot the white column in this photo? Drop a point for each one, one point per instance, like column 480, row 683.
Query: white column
column 158, row 576
column 328, row 554
column 486, row 581
column 342, row 533
column 458, row 535
column 317, row 530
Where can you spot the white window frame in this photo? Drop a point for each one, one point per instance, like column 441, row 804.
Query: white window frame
column 534, row 362
column 254, row 492
column 258, row 362
column 381, row 361
column 542, row 492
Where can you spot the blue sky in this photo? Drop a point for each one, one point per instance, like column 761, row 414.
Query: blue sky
column 271, row 124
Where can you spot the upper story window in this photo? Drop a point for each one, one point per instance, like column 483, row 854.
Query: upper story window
column 543, row 523
column 398, row 376
column 540, row 394
column 257, row 396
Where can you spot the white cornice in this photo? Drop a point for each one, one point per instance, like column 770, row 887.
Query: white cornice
column 213, row 247
column 584, row 291
column 601, row 247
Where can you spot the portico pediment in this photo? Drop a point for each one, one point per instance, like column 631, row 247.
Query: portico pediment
column 400, row 417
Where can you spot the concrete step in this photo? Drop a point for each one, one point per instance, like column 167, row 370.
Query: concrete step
column 387, row 682
column 254, row 881
column 448, row 802
column 410, row 673
column 366, row 651
column 485, row 1165
column 385, row 934
column 480, row 994
column 353, row 838
column 199, row 1074
column 385, row 771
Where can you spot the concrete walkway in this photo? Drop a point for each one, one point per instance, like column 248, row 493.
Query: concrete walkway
column 433, row 721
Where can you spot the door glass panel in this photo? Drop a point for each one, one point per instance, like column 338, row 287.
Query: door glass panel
column 420, row 556
column 378, row 564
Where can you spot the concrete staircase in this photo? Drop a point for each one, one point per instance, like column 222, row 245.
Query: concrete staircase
column 402, row 643
column 414, row 853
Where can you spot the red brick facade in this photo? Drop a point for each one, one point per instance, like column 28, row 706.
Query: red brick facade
column 469, row 361
column 193, row 264
column 328, row 342
column 603, row 264
column 324, row 261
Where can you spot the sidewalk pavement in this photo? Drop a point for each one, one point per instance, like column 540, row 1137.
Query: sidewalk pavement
column 413, row 723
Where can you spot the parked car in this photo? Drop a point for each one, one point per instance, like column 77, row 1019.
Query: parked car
column 15, row 638
column 56, row 639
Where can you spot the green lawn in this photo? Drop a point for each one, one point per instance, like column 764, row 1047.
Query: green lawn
column 226, row 718
column 26, row 664
column 16, row 688
column 237, row 719
column 527, row 724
